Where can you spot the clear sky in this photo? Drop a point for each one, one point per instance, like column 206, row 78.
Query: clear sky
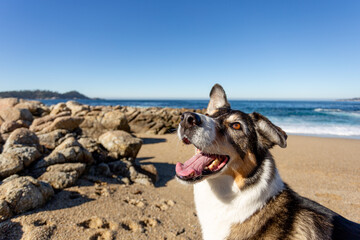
column 289, row 49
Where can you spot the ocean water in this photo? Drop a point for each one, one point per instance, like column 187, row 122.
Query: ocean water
column 313, row 118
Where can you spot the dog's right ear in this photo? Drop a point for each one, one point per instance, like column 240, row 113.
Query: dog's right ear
column 217, row 99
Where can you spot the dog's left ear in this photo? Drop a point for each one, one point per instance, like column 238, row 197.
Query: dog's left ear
column 217, row 99
column 268, row 134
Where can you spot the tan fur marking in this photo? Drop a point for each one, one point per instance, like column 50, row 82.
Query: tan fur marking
column 242, row 169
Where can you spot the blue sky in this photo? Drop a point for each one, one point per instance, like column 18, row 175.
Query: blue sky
column 285, row 49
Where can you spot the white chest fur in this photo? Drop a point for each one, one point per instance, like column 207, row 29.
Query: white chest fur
column 220, row 203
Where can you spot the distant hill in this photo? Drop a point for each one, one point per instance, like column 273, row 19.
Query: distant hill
column 42, row 94
column 351, row 99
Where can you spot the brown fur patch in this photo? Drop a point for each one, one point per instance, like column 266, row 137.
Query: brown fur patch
column 243, row 169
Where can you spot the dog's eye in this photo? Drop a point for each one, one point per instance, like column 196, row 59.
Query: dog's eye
column 236, row 126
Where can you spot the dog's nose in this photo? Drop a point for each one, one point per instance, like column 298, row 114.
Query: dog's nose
column 189, row 119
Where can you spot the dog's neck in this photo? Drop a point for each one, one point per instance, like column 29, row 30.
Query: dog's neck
column 220, row 202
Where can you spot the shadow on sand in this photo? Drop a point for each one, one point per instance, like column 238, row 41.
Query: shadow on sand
column 153, row 140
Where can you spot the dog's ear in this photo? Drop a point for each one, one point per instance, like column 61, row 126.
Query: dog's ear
column 268, row 134
column 217, row 99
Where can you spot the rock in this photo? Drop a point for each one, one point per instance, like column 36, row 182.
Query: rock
column 69, row 150
column 52, row 139
column 149, row 170
column 58, row 108
column 26, row 154
column 14, row 114
column 121, row 143
column 35, row 107
column 5, row 211
column 98, row 152
column 13, row 160
column 9, row 126
column 9, row 164
column 115, row 120
column 23, row 137
column 98, row 122
column 101, row 169
column 45, row 122
column 25, row 193
column 66, row 122
column 8, row 102
column 119, row 167
column 76, row 107
column 143, row 179
column 61, row 176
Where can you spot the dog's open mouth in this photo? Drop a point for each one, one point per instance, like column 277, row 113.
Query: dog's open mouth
column 201, row 164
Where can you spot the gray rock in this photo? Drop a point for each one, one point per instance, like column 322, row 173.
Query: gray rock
column 25, row 193
column 60, row 176
column 101, row 169
column 121, row 142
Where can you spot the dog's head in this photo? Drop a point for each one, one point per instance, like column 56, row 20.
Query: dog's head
column 228, row 141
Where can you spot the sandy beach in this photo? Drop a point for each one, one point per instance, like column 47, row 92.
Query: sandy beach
column 326, row 170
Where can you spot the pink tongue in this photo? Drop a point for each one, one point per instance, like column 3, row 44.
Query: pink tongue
column 195, row 165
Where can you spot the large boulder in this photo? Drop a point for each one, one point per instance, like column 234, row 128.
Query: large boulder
column 15, row 114
column 70, row 150
column 24, row 193
column 61, row 176
column 121, row 142
column 100, row 121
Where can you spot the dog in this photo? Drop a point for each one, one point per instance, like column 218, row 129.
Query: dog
column 238, row 191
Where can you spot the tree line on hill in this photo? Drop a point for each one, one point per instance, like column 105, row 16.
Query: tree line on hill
column 42, row 94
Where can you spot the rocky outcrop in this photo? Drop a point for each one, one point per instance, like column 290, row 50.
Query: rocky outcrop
column 121, row 143
column 45, row 148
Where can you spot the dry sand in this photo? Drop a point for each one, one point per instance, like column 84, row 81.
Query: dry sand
column 323, row 169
